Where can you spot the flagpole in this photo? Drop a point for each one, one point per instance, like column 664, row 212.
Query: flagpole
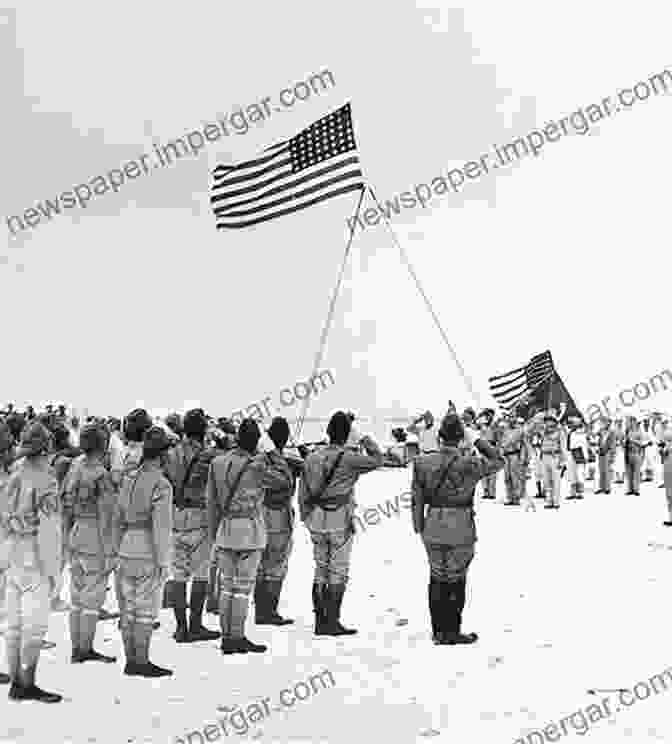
column 330, row 314
column 465, row 377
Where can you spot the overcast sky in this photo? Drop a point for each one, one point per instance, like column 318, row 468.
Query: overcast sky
column 138, row 299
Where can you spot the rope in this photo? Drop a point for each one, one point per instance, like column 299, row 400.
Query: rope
column 330, row 315
column 465, row 377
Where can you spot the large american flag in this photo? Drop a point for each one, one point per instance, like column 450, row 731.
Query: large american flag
column 318, row 163
column 514, row 387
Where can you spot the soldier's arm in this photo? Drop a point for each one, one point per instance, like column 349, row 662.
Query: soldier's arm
column 274, row 477
column 372, row 460
column 162, row 519
column 417, row 501
column 109, row 523
column 67, row 494
column 304, row 490
column 49, row 547
column 212, row 503
column 490, row 461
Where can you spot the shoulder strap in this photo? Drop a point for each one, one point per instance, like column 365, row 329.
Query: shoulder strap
column 234, row 486
column 444, row 474
column 327, row 480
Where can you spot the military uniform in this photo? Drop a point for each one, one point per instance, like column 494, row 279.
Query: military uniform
column 649, row 462
column 235, row 497
column 188, row 467
column 279, row 517
column 29, row 515
column 145, row 530
column 327, row 513
column 619, row 455
column 489, row 434
column 443, row 513
column 606, row 451
column 634, row 455
column 577, row 447
column 517, row 455
column 89, row 504
column 554, row 460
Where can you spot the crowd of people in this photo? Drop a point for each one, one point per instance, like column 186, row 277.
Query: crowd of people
column 194, row 513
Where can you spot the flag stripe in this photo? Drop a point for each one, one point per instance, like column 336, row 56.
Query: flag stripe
column 296, row 208
column 515, row 386
column 291, row 184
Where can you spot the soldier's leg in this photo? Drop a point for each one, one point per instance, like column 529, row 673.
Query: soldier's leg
column 340, row 551
column 149, row 587
column 226, row 566
column 636, row 473
column 126, row 586
column 548, row 480
column 35, row 605
column 272, row 572
column 580, row 480
column 4, row 678
column 76, row 599
column 262, row 614
column 434, row 590
column 176, row 588
column 320, row 558
column 91, row 599
column 245, row 574
column 572, row 477
column 508, row 479
column 14, row 627
column 556, row 483
column 278, row 572
column 200, row 568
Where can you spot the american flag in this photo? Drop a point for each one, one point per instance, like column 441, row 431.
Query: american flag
column 514, row 387
column 318, row 163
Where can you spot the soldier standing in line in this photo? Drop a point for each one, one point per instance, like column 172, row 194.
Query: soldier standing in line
column 489, row 434
column 279, row 516
column 144, row 548
column 554, row 460
column 619, row 452
column 235, row 498
column 326, row 501
column 516, row 452
column 89, row 504
column 445, row 482
column 665, row 434
column 648, row 440
column 606, row 449
column 577, row 447
column 634, row 454
column 29, row 512
column 189, row 464
column 6, row 458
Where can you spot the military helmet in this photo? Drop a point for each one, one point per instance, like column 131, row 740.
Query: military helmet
column 195, row 423
column 35, row 440
column 136, row 424
column 155, row 441
column 92, row 438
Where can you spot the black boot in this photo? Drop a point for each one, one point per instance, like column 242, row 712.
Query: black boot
column 197, row 632
column 261, row 608
column 244, row 645
column 273, row 589
column 455, row 600
column 177, row 599
column 334, row 600
column 319, row 607
column 167, row 601
column 540, row 490
column 434, row 595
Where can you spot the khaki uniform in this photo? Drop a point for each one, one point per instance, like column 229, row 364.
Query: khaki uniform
column 553, row 458
column 330, row 520
column 4, row 478
column 89, row 504
column 606, row 452
column 517, row 455
column 577, row 446
column 489, row 481
column 238, row 530
column 279, row 517
column 29, row 517
column 634, row 456
column 443, row 514
column 191, row 541
column 145, row 528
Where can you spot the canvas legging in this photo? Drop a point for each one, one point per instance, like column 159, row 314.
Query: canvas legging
column 237, row 576
column 28, row 604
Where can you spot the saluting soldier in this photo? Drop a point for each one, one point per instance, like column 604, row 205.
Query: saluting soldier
column 443, row 514
column 189, row 464
column 489, row 434
column 89, row 505
column 279, row 516
column 326, row 501
column 6, row 458
column 554, row 459
column 145, row 523
column 235, row 498
column 32, row 551
column 517, row 455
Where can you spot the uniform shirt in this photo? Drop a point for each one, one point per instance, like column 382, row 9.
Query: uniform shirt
column 278, row 512
column 453, row 523
column 236, row 519
column 29, row 517
column 190, row 460
column 554, row 443
column 131, row 458
column 145, row 516
column 341, row 487
column 89, row 504
column 578, row 440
